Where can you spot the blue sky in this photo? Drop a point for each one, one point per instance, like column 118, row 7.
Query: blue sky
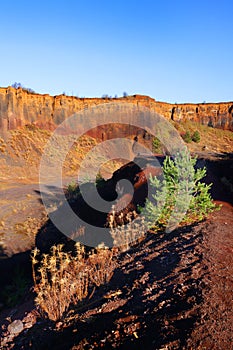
column 172, row 50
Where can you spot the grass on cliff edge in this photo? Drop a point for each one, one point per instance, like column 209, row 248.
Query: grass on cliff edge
column 211, row 139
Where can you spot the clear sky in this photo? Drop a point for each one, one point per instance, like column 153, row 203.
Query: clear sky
column 172, row 50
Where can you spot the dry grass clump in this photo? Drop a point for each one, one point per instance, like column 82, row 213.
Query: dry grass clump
column 126, row 229
column 62, row 279
column 30, row 226
column 101, row 266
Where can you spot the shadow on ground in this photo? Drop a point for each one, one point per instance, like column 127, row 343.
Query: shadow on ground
column 153, row 296
column 160, row 283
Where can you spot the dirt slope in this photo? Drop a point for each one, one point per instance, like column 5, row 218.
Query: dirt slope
column 170, row 292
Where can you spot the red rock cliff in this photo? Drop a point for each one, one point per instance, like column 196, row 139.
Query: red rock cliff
column 19, row 107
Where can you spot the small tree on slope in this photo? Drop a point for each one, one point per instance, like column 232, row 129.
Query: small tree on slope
column 179, row 196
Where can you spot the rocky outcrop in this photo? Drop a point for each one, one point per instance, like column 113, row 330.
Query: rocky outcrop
column 19, row 107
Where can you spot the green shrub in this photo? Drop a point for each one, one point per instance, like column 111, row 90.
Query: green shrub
column 179, row 196
column 196, row 136
column 19, row 85
column 156, row 145
column 99, row 180
column 72, row 190
column 187, row 137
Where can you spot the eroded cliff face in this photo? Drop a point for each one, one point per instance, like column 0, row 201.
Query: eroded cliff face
column 18, row 107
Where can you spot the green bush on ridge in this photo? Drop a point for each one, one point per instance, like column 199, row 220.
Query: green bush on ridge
column 196, row 136
column 181, row 190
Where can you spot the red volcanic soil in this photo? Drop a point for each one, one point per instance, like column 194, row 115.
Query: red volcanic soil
column 171, row 291
column 214, row 330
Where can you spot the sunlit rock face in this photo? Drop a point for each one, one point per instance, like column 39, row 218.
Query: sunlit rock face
column 19, row 107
